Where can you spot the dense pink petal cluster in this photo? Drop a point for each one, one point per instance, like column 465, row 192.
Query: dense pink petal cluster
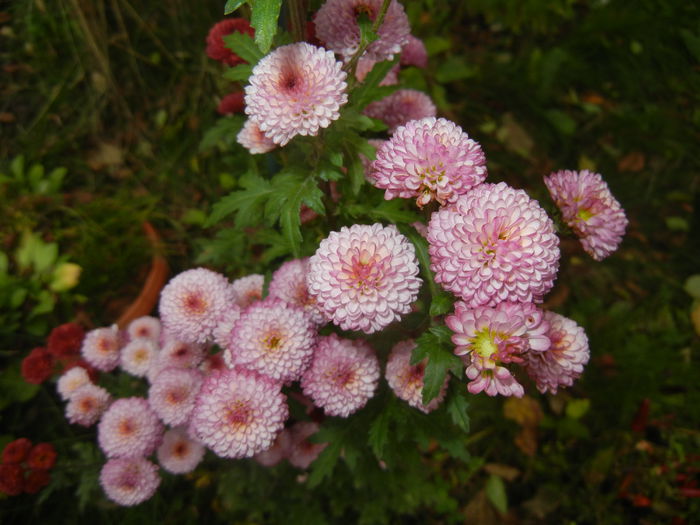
column 563, row 362
column 303, row 452
column 414, row 53
column 289, row 285
column 222, row 332
column 101, row 348
column 192, row 303
column 238, row 413
column 176, row 354
column 272, row 338
column 145, row 327
column 295, row 90
column 337, row 26
column 137, row 357
column 429, row 159
column 589, row 208
column 343, row 375
column 71, row 380
column 129, row 428
column 494, row 244
column 401, row 107
column 216, row 48
column 179, row 454
column 248, row 289
column 173, row 393
column 129, row 481
column 406, row 380
column 87, row 404
column 492, row 337
column 364, row 277
column 254, row 140
column 278, row 451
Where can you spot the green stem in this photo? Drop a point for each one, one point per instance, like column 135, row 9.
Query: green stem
column 351, row 67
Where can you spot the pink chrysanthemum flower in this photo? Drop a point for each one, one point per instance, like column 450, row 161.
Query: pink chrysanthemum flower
column 342, row 377
column 87, row 404
column 72, row 380
column 295, row 90
column 413, row 53
column 175, row 354
column 406, row 380
column 129, row 428
column 222, row 332
column 277, row 452
column 274, row 339
column 173, row 393
column 289, row 285
column 129, row 481
column 231, row 103
column 248, row 289
column 216, row 48
column 145, row 327
column 254, row 140
column 563, row 362
column 589, row 209
column 179, row 454
column 213, row 362
column 401, row 107
column 303, row 452
column 494, row 244
column 238, row 413
column 192, row 303
column 101, row 348
column 491, row 337
column 429, row 159
column 337, row 26
column 137, row 356
column 364, row 277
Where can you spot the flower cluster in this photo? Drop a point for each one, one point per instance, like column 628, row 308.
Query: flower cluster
column 26, row 467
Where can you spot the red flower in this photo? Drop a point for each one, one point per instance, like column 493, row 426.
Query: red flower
column 16, row 451
column 37, row 366
column 11, row 479
column 36, row 480
column 216, row 48
column 65, row 340
column 231, row 103
column 42, row 457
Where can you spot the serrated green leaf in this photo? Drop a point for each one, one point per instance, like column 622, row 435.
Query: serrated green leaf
column 378, row 435
column 457, row 406
column 496, row 492
column 232, row 5
column 244, row 46
column 370, row 89
column 239, row 73
column 323, row 465
column 394, row 211
column 264, row 21
column 247, row 203
column 441, row 304
column 431, row 344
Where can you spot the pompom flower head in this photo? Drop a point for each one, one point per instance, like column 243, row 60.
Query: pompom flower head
column 129, row 481
column 337, row 26
column 401, row 107
column 179, row 454
column 238, row 413
column 406, row 380
column 192, row 303
column 428, row 159
column 303, row 452
column 87, row 404
column 71, row 380
column 289, row 285
column 494, row 244
column 342, row 377
column 137, row 356
column 101, row 348
column 248, row 289
column 216, row 48
column 145, row 327
column 364, row 277
column 254, row 140
column 65, row 340
column 172, row 394
column 129, row 428
column 414, row 53
column 295, row 90
column 563, row 362
column 589, row 208
column 272, row 338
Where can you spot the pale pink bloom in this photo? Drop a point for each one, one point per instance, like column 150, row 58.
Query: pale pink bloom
column 172, row 394
column 137, row 356
column 343, row 375
column 87, row 404
column 144, row 327
column 213, row 362
column 272, row 338
column 192, row 303
column 589, row 209
column 248, row 289
column 129, row 481
column 71, row 380
column 365, row 65
column 179, row 454
column 101, row 348
column 238, row 413
column 277, row 452
column 129, row 428
column 295, row 90
column 303, row 452
column 406, row 380
column 429, row 159
column 401, row 107
column 337, row 26
column 254, row 140
column 563, row 362
column 414, row 53
column 176, row 354
column 222, row 332
column 494, row 244
column 364, row 277
column 289, row 284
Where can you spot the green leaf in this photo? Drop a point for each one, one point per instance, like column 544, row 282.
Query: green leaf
column 244, row 46
column 264, row 21
column 577, row 408
column 370, row 89
column 356, row 171
column 432, row 345
column 457, row 406
column 13, row 387
column 496, row 492
column 379, row 431
column 692, row 286
column 232, row 5
column 323, row 465
column 17, row 168
column 246, row 203
column 441, row 304
column 239, row 73
column 224, row 131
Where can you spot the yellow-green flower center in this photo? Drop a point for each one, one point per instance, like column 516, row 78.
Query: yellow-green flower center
column 584, row 214
column 483, row 344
